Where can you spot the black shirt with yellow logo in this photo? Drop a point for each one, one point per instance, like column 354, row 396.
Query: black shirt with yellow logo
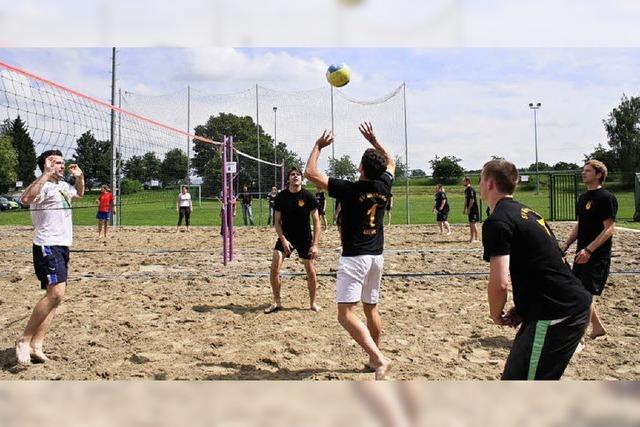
column 544, row 288
column 594, row 207
column 363, row 205
column 295, row 209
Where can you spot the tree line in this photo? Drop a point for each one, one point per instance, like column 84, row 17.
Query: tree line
column 18, row 156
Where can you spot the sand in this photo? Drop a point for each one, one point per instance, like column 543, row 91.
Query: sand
column 148, row 303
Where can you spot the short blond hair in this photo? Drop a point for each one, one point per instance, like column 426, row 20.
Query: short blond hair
column 599, row 167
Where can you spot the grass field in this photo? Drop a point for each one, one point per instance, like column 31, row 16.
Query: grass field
column 154, row 208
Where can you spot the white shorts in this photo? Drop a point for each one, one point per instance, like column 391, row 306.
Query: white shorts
column 358, row 279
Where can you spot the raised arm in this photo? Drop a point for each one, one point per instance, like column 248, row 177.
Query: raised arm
column 367, row 131
column 311, row 171
column 34, row 189
column 77, row 173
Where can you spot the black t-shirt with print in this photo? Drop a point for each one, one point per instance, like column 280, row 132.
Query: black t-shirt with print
column 362, row 209
column 544, row 288
column 440, row 196
column 470, row 199
column 295, row 209
column 594, row 207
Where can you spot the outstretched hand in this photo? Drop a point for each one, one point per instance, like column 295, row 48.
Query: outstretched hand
column 366, row 130
column 325, row 139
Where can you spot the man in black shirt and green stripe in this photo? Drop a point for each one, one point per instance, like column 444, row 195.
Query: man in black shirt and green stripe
column 551, row 305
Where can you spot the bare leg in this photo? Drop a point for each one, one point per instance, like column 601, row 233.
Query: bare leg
column 359, row 332
column 39, row 321
column 312, row 283
column 36, row 350
column 374, row 322
column 448, row 227
column 106, row 223
column 323, row 219
column 474, row 232
column 276, row 265
column 440, row 225
column 597, row 328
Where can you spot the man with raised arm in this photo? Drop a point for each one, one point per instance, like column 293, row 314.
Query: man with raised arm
column 360, row 267
column 293, row 207
column 49, row 198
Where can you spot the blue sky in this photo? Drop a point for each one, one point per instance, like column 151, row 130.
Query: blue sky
column 470, row 103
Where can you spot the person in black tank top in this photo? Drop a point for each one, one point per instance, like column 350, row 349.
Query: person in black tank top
column 597, row 209
column 471, row 209
column 363, row 204
column 551, row 305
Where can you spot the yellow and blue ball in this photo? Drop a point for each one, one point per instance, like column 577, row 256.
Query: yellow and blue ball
column 338, row 75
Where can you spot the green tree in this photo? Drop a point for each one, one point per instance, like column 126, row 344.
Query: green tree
column 446, row 170
column 9, row 162
column 134, row 168
column 174, row 167
column 206, row 160
column 342, row 168
column 542, row 166
column 608, row 157
column 416, row 173
column 94, row 158
column 564, row 166
column 151, row 165
column 23, row 145
column 401, row 168
column 623, row 132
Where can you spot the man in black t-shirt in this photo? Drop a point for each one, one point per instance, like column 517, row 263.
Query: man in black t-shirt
column 293, row 207
column 551, row 304
column 359, row 272
column 245, row 199
column 441, row 208
column 322, row 202
column 597, row 209
column 471, row 209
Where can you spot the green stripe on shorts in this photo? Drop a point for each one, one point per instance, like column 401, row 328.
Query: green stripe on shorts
column 536, row 351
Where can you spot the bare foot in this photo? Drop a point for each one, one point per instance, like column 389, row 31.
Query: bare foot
column 272, row 308
column 383, row 370
column 38, row 356
column 22, row 353
column 595, row 333
column 315, row 307
column 579, row 348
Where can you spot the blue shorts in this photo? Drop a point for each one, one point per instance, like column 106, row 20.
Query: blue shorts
column 102, row 216
column 50, row 263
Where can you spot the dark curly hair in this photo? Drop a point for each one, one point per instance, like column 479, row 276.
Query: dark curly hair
column 44, row 155
column 373, row 163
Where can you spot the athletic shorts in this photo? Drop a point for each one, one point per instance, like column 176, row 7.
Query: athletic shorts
column 301, row 247
column 442, row 216
column 102, row 216
column 542, row 351
column 474, row 215
column 358, row 278
column 593, row 274
column 50, row 264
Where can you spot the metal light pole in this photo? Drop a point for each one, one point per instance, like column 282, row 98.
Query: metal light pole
column 535, row 107
column 275, row 145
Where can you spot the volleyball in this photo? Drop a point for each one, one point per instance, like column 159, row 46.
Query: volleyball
column 338, row 75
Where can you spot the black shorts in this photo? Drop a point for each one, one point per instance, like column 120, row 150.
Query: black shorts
column 442, row 215
column 542, row 351
column 474, row 215
column 50, row 263
column 302, row 247
column 593, row 274
column 320, row 211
